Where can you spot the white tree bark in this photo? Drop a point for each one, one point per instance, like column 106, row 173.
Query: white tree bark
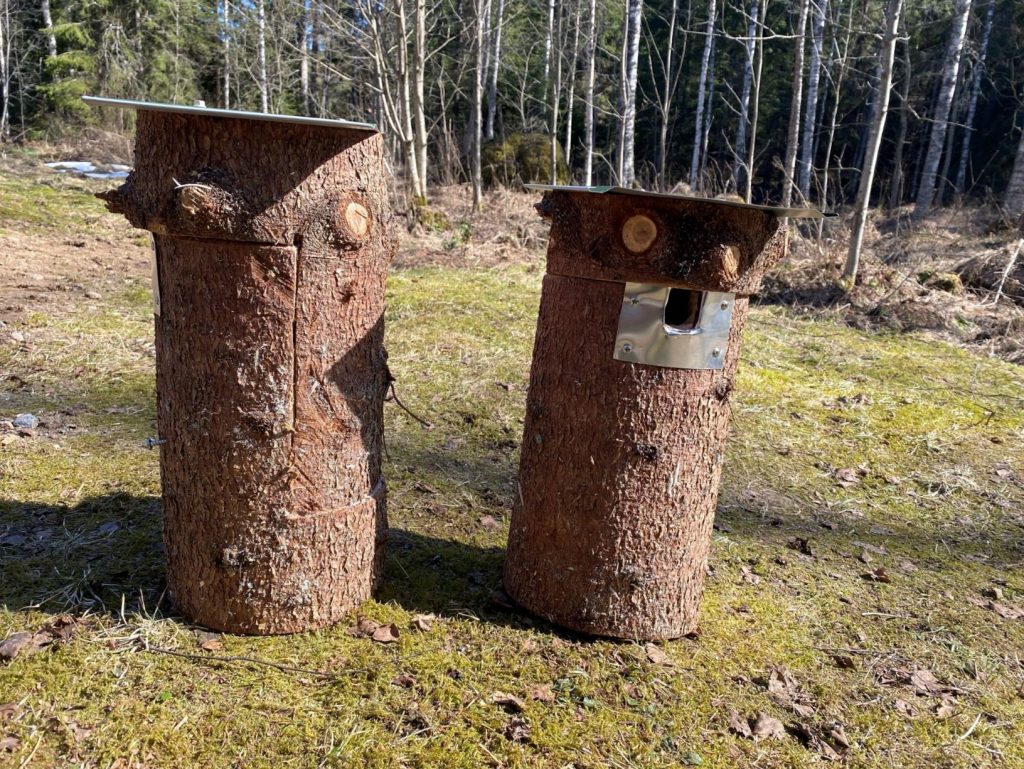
column 555, row 96
column 631, row 61
column 811, row 109
column 588, row 109
column 226, row 52
column 492, row 86
column 886, row 57
column 698, row 131
column 302, row 40
column 571, row 95
column 482, row 16
column 793, row 135
column 943, row 106
column 419, row 64
column 742, row 166
column 972, row 107
column 1014, row 198
column 51, row 40
column 756, row 96
column 5, row 69
column 261, row 56
column 667, row 91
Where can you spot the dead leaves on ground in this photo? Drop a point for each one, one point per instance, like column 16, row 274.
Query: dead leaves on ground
column 59, row 630
column 375, row 631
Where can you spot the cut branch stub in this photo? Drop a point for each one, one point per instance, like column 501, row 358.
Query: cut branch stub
column 272, row 242
column 621, row 461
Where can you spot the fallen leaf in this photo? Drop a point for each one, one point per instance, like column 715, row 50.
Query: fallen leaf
column 865, row 557
column 209, row 642
column 878, row 575
column 8, row 711
column 995, row 593
column 541, row 693
column 739, row 725
column 1004, row 611
column 925, row 682
column 509, row 702
column 908, row 566
column 844, row 661
column 385, row 634
column 838, row 736
column 946, row 708
column 9, row 744
column 811, row 740
column 423, row 622
column 501, row 600
column 364, row 628
column 517, row 730
column 801, row 545
column 904, row 707
column 748, row 576
column 18, row 643
column 657, row 655
column 766, row 727
column 405, row 680
column 847, row 477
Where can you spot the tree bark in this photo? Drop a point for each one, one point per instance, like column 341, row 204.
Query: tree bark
column 492, row 86
column 667, row 91
column 972, row 107
column 482, row 17
column 5, row 70
column 698, row 131
column 273, row 242
column 226, row 52
column 896, row 183
column 419, row 66
column 752, row 152
column 793, row 135
column 302, row 41
column 1014, row 197
column 631, row 61
column 51, row 40
column 811, row 108
column 571, row 95
column 555, row 95
column 886, row 57
column 940, row 120
column 621, row 461
column 261, row 56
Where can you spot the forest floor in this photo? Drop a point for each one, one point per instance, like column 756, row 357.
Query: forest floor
column 865, row 602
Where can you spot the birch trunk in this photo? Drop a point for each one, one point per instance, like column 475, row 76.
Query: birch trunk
column 752, row 152
column 811, row 109
column 793, row 135
column 492, row 87
column 943, row 106
column 631, row 62
column 478, row 98
column 667, row 89
column 5, row 69
column 742, row 160
column 261, row 55
column 303, row 42
column 886, row 57
column 709, row 109
column 555, row 93
column 418, row 105
column 972, row 107
column 588, row 109
column 570, row 97
column 698, row 135
column 896, row 183
column 1014, row 199
column 227, row 54
column 51, row 40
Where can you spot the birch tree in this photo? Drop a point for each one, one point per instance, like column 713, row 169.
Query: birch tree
column 705, row 62
column 495, row 62
column 811, row 108
column 944, row 103
column 261, row 56
column 793, row 135
column 6, row 68
column 880, row 111
column 482, row 16
column 972, row 106
column 571, row 95
column 588, row 106
column 630, row 64
column 51, row 39
column 742, row 167
column 1014, row 198
column 226, row 53
column 418, row 105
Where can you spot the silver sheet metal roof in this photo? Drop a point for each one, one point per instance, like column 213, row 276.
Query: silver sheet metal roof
column 790, row 213
column 180, row 109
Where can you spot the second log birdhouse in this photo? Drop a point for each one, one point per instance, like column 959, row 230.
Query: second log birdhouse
column 638, row 337
column 272, row 240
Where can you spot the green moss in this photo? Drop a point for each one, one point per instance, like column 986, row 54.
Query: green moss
column 48, row 202
column 930, row 424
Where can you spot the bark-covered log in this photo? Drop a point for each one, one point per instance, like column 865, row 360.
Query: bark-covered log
column 621, row 461
column 272, row 242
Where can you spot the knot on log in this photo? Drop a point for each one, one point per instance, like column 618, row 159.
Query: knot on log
column 207, row 202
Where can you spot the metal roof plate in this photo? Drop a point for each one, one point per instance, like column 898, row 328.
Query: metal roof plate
column 180, row 109
column 791, row 213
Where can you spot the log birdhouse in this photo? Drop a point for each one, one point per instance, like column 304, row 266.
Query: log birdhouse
column 272, row 240
column 638, row 338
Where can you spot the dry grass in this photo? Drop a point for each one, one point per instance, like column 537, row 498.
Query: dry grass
column 932, row 437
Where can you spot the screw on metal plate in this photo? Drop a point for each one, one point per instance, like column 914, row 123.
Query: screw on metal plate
column 627, row 347
column 198, row 103
column 725, row 305
column 716, row 352
column 151, row 442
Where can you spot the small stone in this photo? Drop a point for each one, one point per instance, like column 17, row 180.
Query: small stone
column 26, row 421
column 93, row 295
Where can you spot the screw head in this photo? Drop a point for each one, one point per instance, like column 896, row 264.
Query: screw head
column 627, row 347
column 716, row 352
column 725, row 305
column 633, row 300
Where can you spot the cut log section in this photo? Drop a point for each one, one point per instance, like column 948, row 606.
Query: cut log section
column 273, row 241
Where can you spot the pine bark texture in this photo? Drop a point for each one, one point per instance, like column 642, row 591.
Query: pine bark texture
column 621, row 462
column 272, row 243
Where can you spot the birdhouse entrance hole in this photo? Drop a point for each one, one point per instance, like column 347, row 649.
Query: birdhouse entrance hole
column 682, row 311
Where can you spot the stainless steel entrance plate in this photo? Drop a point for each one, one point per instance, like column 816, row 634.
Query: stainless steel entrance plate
column 673, row 326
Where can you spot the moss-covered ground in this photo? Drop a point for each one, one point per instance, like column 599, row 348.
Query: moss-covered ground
column 869, row 540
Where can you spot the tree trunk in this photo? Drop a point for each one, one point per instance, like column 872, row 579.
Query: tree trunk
column 261, row 56
column 5, row 70
column 1014, row 198
column 302, row 40
column 492, row 86
column 621, row 461
column 742, row 167
column 571, row 95
column 272, row 243
column 667, row 91
column 811, row 109
column 698, row 131
column 419, row 66
column 482, row 17
column 793, row 135
column 943, row 106
column 555, row 97
column 631, row 61
column 51, row 40
column 709, row 110
column 972, row 107
column 886, row 57
column 588, row 107
column 896, row 190
column 752, row 152
column 226, row 37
